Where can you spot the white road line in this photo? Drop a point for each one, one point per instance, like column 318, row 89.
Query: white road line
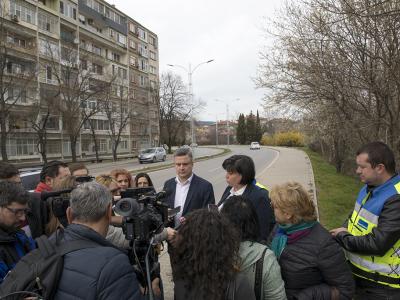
column 270, row 164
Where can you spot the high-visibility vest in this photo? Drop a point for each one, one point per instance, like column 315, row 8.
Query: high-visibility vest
column 382, row 269
column 256, row 183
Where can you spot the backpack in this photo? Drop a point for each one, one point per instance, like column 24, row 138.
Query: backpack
column 258, row 275
column 38, row 273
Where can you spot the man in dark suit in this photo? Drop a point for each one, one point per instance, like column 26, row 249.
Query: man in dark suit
column 187, row 190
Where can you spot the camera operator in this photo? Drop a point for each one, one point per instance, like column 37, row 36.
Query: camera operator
column 105, row 271
column 14, row 243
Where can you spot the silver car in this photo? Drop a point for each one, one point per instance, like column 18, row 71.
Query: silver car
column 152, row 155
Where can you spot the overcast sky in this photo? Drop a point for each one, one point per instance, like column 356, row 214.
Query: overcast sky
column 228, row 31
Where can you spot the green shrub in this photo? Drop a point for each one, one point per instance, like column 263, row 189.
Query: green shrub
column 267, row 140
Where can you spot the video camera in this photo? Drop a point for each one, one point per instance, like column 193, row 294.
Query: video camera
column 144, row 215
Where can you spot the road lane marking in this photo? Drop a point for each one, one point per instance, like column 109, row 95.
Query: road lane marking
column 271, row 163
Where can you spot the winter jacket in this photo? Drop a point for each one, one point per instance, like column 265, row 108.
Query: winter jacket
column 314, row 267
column 273, row 287
column 13, row 246
column 101, row 272
column 238, row 289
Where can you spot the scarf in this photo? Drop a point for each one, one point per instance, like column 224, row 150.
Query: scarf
column 288, row 234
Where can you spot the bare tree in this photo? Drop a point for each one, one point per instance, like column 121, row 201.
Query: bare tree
column 175, row 109
column 118, row 110
column 77, row 88
column 337, row 63
column 17, row 77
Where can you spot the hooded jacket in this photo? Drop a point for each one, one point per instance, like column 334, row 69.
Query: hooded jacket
column 273, row 287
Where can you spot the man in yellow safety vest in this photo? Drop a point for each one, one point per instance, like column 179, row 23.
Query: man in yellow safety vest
column 371, row 238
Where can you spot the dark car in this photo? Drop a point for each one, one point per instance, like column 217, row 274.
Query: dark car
column 30, row 178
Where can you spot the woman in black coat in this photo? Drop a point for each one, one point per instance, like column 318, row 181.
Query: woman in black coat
column 240, row 176
column 313, row 265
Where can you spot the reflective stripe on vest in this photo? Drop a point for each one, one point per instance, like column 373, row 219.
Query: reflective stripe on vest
column 363, row 220
column 261, row 186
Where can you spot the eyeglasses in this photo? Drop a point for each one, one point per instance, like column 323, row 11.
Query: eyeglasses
column 18, row 212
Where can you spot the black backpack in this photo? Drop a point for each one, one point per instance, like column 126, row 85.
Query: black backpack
column 38, row 272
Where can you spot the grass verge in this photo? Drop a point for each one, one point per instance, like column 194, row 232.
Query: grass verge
column 336, row 193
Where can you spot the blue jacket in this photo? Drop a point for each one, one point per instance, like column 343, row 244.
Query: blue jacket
column 102, row 272
column 13, row 246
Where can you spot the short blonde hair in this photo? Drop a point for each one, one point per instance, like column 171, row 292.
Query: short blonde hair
column 292, row 198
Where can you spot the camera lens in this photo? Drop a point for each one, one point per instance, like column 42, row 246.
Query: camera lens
column 125, row 206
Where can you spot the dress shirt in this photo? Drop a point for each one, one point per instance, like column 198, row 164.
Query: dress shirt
column 182, row 189
column 232, row 192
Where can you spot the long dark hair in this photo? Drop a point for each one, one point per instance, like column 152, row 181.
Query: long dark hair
column 140, row 175
column 242, row 214
column 206, row 255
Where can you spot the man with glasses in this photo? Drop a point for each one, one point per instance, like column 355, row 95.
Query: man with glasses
column 14, row 243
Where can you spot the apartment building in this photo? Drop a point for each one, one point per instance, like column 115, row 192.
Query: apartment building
column 100, row 46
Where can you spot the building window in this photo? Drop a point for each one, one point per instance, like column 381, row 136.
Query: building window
column 47, row 22
column 68, row 9
column 153, row 55
column 96, row 49
column 132, row 44
column 49, row 73
column 142, row 48
column 97, row 69
column 143, row 65
column 116, row 57
column 131, row 27
column 24, row 11
column 132, row 60
column 121, row 39
column 48, row 48
column 142, row 34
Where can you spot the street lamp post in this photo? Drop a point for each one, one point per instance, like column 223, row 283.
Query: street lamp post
column 227, row 118
column 190, row 72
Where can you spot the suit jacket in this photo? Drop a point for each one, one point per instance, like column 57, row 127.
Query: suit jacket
column 200, row 194
column 260, row 199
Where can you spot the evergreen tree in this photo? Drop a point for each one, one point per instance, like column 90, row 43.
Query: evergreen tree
column 258, row 131
column 251, row 128
column 241, row 130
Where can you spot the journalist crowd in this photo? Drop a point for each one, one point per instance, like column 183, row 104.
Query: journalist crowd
column 71, row 237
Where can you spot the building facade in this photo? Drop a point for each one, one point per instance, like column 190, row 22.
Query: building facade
column 87, row 69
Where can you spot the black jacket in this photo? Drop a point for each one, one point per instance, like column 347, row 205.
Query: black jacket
column 200, row 194
column 102, row 272
column 238, row 289
column 314, row 267
column 260, row 199
column 38, row 215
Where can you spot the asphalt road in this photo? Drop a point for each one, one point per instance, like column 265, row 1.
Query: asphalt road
column 212, row 170
column 130, row 164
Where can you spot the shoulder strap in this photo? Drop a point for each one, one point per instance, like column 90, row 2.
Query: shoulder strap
column 258, row 276
column 47, row 248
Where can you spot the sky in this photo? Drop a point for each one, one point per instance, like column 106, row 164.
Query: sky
column 192, row 31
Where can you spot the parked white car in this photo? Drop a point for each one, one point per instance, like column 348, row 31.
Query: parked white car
column 255, row 146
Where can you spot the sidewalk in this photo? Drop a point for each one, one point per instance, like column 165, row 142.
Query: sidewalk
column 289, row 165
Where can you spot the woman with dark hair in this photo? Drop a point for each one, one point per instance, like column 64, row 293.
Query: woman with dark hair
column 143, row 180
column 206, row 259
column 254, row 255
column 240, row 176
column 313, row 265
